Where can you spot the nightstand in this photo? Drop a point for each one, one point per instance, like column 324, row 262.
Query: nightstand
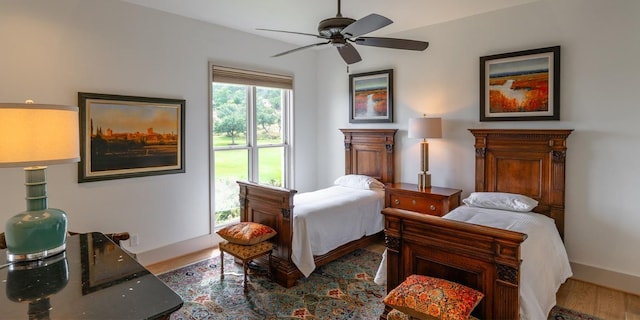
column 435, row 201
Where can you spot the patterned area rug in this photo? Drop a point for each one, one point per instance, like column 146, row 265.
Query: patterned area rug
column 343, row 289
column 560, row 313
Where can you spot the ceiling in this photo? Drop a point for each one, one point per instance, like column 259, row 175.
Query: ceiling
column 304, row 15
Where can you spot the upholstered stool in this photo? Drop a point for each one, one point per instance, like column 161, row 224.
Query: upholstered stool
column 424, row 297
column 246, row 253
column 395, row 314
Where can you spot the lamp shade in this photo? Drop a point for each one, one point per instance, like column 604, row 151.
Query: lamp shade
column 34, row 136
column 38, row 134
column 423, row 128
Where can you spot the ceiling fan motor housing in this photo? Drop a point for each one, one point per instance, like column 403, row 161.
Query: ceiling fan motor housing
column 330, row 28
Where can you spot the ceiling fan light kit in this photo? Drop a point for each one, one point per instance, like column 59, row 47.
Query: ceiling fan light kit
column 341, row 31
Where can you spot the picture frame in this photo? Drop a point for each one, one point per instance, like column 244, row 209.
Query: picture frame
column 129, row 136
column 371, row 97
column 522, row 85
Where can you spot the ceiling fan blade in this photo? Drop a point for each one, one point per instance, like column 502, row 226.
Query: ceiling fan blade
column 293, row 32
column 300, row 48
column 392, row 43
column 349, row 54
column 365, row 25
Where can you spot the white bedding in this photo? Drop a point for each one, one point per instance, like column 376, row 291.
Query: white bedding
column 328, row 218
column 545, row 265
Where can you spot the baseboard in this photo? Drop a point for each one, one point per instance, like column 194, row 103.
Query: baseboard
column 606, row 278
column 177, row 249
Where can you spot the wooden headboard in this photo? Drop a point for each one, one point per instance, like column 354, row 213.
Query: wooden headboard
column 523, row 161
column 370, row 152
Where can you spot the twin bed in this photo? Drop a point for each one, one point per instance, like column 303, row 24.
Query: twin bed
column 519, row 278
column 349, row 224
column 492, row 260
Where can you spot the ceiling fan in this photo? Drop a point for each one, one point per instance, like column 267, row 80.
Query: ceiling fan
column 341, row 31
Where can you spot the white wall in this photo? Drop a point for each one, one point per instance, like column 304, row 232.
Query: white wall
column 51, row 50
column 600, row 75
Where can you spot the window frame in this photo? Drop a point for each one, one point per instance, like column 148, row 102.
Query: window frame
column 252, row 147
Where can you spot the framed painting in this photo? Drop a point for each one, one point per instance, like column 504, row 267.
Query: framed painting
column 371, row 97
column 523, row 85
column 129, row 136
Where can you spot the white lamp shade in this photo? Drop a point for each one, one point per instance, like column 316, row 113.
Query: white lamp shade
column 423, row 128
column 38, row 134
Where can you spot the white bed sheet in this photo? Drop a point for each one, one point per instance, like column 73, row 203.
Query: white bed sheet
column 328, row 218
column 545, row 264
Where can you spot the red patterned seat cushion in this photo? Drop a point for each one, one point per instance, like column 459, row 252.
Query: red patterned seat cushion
column 246, row 233
column 426, row 297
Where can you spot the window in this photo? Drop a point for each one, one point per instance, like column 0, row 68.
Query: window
column 250, row 117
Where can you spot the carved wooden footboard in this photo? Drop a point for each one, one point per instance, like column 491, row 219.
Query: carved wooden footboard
column 486, row 259
column 367, row 152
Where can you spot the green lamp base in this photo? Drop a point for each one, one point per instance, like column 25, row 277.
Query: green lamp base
column 34, row 235
column 39, row 232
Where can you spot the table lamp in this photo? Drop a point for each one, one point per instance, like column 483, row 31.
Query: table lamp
column 33, row 136
column 423, row 128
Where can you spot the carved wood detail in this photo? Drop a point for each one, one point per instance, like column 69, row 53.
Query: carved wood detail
column 507, row 273
column 392, row 242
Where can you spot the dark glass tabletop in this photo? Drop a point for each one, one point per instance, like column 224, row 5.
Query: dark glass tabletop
column 93, row 279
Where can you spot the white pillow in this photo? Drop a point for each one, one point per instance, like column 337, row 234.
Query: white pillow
column 358, row 181
column 501, row 201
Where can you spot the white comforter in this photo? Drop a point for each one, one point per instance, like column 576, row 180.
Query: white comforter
column 328, row 218
column 545, row 265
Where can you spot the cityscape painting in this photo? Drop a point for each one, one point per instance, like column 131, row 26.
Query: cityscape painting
column 129, row 136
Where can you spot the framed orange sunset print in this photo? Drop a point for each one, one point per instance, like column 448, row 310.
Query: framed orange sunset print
column 523, row 85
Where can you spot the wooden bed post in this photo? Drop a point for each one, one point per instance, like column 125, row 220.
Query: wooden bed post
column 558, row 155
column 481, row 151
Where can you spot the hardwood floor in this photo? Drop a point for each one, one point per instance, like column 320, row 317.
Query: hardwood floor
column 605, row 303
column 599, row 301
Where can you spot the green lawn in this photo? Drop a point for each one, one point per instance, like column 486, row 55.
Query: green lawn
column 234, row 162
column 231, row 165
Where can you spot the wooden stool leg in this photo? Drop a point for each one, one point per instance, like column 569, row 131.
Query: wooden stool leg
column 221, row 265
column 245, row 267
column 269, row 267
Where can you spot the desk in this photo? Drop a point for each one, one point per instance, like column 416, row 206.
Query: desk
column 93, row 279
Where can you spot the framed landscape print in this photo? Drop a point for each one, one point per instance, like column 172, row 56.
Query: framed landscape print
column 371, row 97
column 128, row 136
column 523, row 85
